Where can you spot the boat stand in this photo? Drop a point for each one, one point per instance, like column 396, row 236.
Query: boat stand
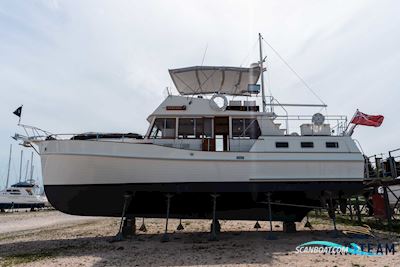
column 180, row 226
column 257, row 226
column 308, row 224
column 289, row 227
column 2, row 211
column 333, row 216
column 215, row 226
column 143, row 226
column 126, row 222
column 270, row 235
column 165, row 237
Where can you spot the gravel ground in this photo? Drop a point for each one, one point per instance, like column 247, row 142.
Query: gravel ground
column 55, row 239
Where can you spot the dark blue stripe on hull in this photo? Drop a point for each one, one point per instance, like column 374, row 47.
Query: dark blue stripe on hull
column 240, row 201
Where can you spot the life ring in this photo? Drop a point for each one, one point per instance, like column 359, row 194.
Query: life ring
column 214, row 105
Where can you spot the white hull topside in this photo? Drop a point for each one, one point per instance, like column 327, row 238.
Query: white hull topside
column 18, row 200
column 76, row 162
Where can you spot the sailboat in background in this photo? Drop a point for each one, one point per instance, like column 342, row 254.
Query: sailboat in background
column 24, row 194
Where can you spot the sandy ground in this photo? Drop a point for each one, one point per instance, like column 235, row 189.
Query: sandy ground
column 50, row 238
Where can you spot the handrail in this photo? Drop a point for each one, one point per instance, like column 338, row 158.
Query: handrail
column 286, row 112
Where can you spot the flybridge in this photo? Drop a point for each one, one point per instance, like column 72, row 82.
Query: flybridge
column 210, row 79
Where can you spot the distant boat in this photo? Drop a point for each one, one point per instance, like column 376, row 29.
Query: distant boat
column 21, row 195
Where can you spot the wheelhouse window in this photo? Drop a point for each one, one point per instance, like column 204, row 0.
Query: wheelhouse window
column 281, row 144
column 307, row 144
column 195, row 128
column 332, row 144
column 245, row 128
column 163, row 128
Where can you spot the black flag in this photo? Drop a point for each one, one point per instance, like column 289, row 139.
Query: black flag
column 18, row 111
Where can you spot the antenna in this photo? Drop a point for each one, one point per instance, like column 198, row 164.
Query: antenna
column 262, row 73
column 204, row 55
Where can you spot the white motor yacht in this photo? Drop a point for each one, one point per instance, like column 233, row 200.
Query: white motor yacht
column 214, row 137
column 21, row 195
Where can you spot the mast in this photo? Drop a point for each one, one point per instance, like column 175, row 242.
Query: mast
column 262, row 73
column 9, row 166
column 26, row 170
column 31, row 165
column 31, row 179
column 20, row 166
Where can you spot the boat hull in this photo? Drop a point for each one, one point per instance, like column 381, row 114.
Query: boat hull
column 91, row 178
column 239, row 201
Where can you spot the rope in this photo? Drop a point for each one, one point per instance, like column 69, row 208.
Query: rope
column 248, row 54
column 295, row 73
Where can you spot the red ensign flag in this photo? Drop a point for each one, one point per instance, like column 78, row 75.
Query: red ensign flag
column 368, row 120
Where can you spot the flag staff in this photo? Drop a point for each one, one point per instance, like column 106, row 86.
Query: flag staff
column 18, row 112
column 351, row 130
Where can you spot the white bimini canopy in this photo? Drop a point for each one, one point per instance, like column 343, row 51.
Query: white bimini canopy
column 208, row 80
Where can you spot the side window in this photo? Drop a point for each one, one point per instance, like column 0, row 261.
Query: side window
column 195, row 128
column 307, row 144
column 332, row 144
column 252, row 129
column 237, row 127
column 281, row 144
column 163, row 128
column 186, row 128
column 245, row 128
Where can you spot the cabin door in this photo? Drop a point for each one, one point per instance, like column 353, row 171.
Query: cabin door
column 221, row 133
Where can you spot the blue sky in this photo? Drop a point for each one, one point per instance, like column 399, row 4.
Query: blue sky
column 81, row 66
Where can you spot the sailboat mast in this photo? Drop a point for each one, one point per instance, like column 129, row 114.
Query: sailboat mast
column 262, row 72
column 9, row 166
column 31, row 166
column 26, row 170
column 20, row 166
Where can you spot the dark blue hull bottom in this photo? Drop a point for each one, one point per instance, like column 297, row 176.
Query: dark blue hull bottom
column 236, row 201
